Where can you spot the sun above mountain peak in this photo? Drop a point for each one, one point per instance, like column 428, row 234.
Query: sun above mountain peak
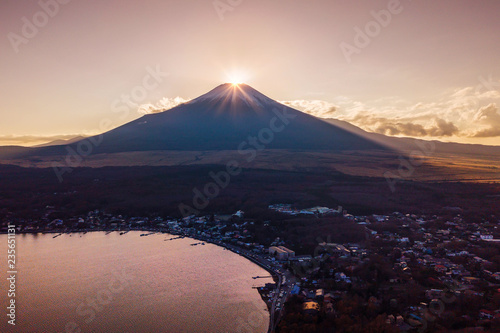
column 236, row 78
column 236, row 82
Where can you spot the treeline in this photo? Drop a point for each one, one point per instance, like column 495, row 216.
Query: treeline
column 26, row 192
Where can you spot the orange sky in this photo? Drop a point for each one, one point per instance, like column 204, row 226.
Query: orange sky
column 426, row 69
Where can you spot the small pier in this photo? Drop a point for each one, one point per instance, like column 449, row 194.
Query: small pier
column 178, row 237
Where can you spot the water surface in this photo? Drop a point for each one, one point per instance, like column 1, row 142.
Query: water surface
column 98, row 282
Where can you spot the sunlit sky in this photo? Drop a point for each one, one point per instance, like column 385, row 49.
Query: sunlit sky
column 427, row 69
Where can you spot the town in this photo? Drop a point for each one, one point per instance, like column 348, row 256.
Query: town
column 378, row 273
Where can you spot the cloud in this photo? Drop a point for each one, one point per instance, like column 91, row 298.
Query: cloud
column 163, row 104
column 316, row 108
column 437, row 127
column 465, row 112
column 408, row 129
column 487, row 133
column 442, row 128
column 489, row 116
column 416, row 123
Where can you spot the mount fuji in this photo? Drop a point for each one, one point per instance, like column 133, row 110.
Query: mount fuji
column 236, row 122
column 229, row 117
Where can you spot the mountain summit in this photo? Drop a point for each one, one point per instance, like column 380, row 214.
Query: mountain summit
column 229, row 93
column 226, row 118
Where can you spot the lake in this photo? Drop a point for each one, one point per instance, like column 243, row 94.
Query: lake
column 98, row 282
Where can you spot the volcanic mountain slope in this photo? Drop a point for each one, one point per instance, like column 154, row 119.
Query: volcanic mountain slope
column 225, row 119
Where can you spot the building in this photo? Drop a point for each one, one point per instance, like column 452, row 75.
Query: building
column 281, row 252
column 310, row 307
column 335, row 249
column 239, row 214
column 291, row 253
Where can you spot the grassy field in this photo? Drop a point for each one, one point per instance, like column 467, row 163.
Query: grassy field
column 431, row 167
column 160, row 190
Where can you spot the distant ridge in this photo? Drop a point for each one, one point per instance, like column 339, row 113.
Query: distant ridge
column 61, row 142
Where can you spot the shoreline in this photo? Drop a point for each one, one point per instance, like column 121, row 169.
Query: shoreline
column 233, row 249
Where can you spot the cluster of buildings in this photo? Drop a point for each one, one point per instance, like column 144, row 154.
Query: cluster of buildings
column 415, row 262
column 318, row 211
column 430, row 256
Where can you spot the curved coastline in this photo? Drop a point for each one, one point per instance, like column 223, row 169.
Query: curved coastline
column 234, row 249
